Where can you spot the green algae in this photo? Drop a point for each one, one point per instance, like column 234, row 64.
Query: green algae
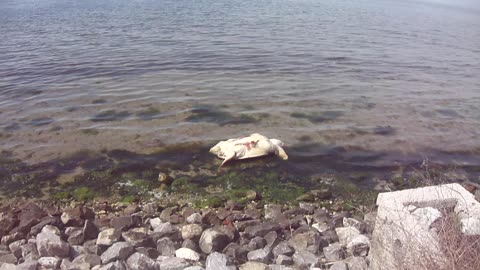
column 83, row 194
column 318, row 117
column 110, row 115
column 148, row 114
column 90, row 131
column 213, row 115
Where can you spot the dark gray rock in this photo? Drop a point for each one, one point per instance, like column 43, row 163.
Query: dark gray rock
column 139, row 261
column 150, row 252
column 261, row 229
column 30, row 215
column 118, row 251
column 213, row 240
column 236, row 252
column 90, row 230
column 189, row 243
column 166, row 247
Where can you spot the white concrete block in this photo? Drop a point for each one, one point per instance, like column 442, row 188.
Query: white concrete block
column 402, row 232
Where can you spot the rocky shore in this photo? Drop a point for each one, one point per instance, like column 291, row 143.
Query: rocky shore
column 152, row 236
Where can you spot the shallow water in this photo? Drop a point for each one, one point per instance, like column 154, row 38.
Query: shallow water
column 378, row 84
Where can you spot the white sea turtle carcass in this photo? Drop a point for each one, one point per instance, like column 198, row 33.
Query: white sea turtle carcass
column 255, row 145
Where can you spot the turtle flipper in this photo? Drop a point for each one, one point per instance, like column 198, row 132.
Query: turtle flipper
column 228, row 156
column 281, row 153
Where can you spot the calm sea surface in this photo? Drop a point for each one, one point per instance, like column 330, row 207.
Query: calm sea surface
column 400, row 78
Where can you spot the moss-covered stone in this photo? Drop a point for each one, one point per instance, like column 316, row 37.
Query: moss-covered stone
column 62, row 195
column 148, row 113
column 110, row 115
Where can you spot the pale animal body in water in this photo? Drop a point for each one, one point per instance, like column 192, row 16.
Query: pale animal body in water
column 255, row 145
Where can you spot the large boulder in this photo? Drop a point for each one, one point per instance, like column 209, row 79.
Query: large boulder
column 49, row 243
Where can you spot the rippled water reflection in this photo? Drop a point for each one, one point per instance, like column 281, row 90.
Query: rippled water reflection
column 372, row 75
